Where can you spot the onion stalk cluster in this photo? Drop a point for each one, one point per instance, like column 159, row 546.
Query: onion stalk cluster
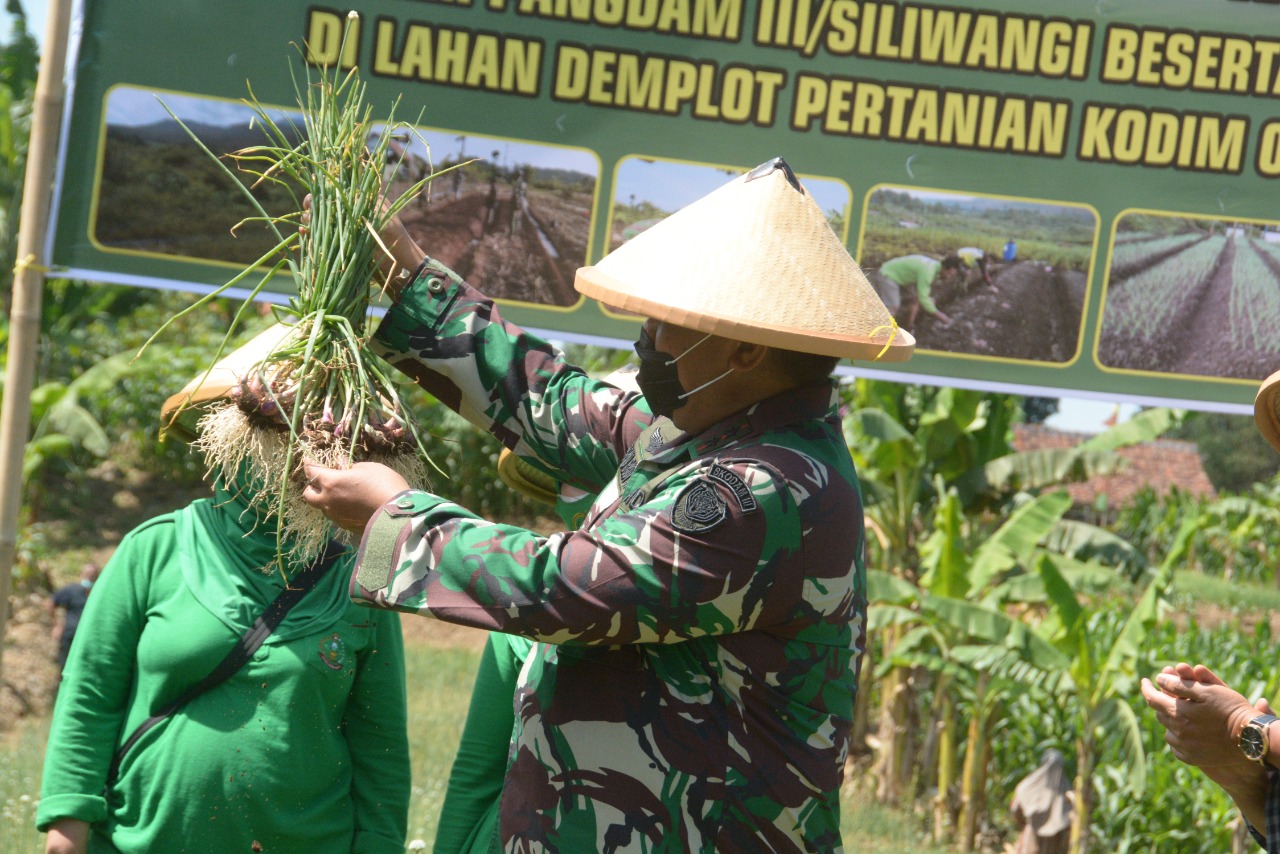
column 318, row 394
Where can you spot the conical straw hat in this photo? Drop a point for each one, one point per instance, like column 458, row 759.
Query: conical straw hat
column 1266, row 409
column 753, row 261
column 181, row 412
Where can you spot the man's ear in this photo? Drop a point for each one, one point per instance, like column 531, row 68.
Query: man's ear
column 746, row 357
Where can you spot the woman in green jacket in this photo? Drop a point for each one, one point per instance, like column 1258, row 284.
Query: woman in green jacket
column 302, row 751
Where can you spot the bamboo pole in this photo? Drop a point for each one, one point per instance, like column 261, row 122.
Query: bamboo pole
column 28, row 284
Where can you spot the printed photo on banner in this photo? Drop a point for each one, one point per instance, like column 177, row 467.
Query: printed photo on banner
column 1192, row 296
column 646, row 190
column 159, row 194
column 981, row 275
column 513, row 217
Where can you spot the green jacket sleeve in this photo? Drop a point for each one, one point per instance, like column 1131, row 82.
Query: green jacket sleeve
column 469, row 817
column 94, row 694
column 375, row 727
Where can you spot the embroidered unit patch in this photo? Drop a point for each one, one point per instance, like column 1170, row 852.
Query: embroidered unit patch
column 698, row 508
column 333, row 652
column 741, row 492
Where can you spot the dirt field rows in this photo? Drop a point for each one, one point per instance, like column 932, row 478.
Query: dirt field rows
column 1033, row 313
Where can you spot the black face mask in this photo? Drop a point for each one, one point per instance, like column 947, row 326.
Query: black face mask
column 659, row 377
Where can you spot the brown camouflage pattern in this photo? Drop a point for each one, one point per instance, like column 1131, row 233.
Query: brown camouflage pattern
column 700, row 634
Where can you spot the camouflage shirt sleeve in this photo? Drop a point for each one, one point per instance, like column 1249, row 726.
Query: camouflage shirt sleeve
column 695, row 558
column 452, row 340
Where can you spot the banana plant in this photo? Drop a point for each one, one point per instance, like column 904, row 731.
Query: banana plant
column 62, row 427
column 911, row 444
column 903, row 440
column 952, row 621
column 1102, row 674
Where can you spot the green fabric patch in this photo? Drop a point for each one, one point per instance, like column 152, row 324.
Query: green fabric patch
column 376, row 564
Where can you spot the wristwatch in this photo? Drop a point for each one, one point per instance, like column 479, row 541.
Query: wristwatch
column 1253, row 738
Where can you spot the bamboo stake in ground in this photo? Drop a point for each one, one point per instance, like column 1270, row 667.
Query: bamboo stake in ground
column 28, row 284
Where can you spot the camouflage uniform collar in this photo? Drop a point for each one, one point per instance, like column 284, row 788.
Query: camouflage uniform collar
column 662, row 441
column 797, row 404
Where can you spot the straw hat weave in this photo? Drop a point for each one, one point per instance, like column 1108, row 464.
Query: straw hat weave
column 755, row 261
column 218, row 381
column 1266, row 409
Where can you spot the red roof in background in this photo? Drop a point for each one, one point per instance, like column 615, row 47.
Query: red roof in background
column 1161, row 465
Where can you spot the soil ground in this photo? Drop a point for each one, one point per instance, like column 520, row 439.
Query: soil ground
column 1033, row 313
column 526, row 251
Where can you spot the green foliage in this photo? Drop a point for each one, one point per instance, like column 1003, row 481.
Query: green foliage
column 1062, row 238
column 85, row 325
column 1233, row 452
column 1194, row 589
column 20, row 57
column 1183, row 811
column 23, row 750
column 18, row 67
column 1237, row 536
column 989, row 592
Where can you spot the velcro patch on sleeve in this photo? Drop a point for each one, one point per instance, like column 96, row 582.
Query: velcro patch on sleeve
column 741, row 492
column 698, row 508
column 378, row 553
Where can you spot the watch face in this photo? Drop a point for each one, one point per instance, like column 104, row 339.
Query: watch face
column 1253, row 742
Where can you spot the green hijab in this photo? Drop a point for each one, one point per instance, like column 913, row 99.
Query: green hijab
column 229, row 554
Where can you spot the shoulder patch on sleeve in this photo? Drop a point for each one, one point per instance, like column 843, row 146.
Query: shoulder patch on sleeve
column 698, row 508
column 741, row 492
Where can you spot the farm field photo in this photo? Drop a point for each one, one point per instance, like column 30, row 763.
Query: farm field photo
column 1037, row 256
column 149, row 162
column 512, row 218
column 1191, row 296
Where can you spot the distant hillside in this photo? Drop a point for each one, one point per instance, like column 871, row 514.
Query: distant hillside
column 220, row 139
column 563, row 177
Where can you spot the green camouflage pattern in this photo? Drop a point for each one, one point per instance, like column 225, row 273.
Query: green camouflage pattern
column 700, row 633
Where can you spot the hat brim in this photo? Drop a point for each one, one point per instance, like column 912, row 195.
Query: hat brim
column 180, row 413
column 895, row 345
column 1265, row 413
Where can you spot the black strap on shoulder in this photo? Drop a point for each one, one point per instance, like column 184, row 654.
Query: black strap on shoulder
column 294, row 590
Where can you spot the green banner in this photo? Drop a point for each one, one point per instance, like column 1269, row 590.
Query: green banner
column 1104, row 171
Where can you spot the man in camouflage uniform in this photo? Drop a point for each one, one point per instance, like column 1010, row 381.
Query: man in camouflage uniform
column 700, row 634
